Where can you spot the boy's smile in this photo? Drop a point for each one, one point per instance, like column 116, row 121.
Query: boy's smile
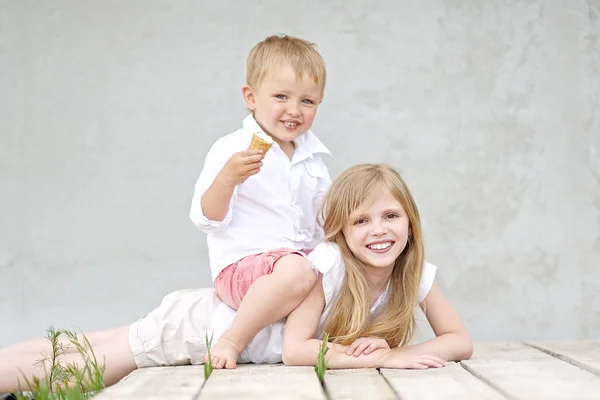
column 284, row 106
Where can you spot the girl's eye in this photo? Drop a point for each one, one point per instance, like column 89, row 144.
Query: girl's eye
column 390, row 216
column 280, row 96
column 360, row 221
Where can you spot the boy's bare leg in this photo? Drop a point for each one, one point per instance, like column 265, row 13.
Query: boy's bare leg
column 269, row 299
column 114, row 353
column 40, row 346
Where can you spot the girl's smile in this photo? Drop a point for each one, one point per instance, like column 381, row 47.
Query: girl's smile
column 380, row 246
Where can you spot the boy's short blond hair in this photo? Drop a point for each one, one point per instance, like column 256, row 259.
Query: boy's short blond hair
column 302, row 56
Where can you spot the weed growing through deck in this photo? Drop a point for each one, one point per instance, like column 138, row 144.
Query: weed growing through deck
column 321, row 364
column 208, row 368
column 65, row 382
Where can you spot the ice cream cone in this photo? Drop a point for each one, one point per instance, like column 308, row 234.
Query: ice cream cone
column 260, row 143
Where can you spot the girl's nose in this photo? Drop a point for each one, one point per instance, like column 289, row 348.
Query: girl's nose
column 378, row 229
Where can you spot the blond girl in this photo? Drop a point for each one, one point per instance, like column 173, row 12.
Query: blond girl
column 373, row 275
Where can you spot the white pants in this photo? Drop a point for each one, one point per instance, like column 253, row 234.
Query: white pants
column 175, row 332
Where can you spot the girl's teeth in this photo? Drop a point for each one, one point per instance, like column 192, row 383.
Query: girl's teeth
column 290, row 124
column 380, row 246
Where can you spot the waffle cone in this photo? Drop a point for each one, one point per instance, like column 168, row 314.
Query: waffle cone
column 259, row 144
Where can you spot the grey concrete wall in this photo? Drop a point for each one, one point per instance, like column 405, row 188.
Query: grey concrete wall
column 490, row 110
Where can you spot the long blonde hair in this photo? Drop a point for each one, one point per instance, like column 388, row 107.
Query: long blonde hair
column 350, row 316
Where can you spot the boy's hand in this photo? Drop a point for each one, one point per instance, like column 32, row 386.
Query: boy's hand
column 241, row 166
column 366, row 345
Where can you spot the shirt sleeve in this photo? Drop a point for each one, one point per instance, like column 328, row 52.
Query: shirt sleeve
column 327, row 259
column 216, row 158
column 427, row 279
column 323, row 186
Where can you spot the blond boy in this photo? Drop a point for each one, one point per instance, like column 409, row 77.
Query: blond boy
column 258, row 208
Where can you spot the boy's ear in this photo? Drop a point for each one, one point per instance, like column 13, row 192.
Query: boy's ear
column 248, row 94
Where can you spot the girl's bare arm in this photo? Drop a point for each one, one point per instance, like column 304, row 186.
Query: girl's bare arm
column 299, row 347
column 452, row 342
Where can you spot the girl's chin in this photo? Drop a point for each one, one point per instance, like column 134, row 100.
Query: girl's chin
column 379, row 262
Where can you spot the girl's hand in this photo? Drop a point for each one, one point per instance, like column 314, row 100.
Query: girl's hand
column 397, row 359
column 366, row 345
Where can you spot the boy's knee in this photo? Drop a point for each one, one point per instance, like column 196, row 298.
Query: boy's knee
column 297, row 273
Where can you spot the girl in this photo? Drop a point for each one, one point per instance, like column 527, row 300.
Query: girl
column 372, row 274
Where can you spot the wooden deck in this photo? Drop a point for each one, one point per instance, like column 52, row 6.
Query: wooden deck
column 512, row 370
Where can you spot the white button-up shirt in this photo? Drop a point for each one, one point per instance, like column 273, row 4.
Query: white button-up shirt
column 275, row 208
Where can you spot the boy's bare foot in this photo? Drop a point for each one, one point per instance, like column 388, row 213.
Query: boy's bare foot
column 224, row 354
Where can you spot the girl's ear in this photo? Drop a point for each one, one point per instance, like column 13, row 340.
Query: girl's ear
column 248, row 95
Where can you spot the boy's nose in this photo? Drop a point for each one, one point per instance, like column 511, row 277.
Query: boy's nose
column 293, row 110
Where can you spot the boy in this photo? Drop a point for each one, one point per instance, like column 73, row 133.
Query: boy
column 258, row 208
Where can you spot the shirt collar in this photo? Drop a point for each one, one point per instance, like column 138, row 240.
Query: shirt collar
column 308, row 142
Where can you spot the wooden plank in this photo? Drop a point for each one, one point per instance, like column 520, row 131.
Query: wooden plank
column 359, row 384
column 584, row 354
column 450, row 382
column 182, row 382
column 523, row 372
column 263, row 382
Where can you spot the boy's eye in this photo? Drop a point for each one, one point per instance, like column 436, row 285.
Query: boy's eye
column 280, row 96
column 308, row 101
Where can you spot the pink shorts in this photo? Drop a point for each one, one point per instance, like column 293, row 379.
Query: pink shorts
column 234, row 281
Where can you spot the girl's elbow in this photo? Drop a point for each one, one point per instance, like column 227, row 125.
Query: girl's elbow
column 466, row 348
column 288, row 356
column 287, row 360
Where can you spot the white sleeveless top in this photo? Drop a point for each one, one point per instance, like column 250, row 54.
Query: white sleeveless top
column 266, row 347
